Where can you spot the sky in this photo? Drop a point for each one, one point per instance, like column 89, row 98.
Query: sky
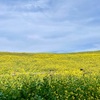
column 57, row 26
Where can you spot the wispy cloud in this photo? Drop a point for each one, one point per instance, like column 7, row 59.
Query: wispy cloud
column 49, row 25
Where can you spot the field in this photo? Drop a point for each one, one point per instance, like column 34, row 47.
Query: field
column 29, row 76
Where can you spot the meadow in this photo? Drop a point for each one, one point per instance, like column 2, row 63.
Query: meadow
column 47, row 76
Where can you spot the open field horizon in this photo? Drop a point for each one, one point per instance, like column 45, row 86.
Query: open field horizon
column 49, row 50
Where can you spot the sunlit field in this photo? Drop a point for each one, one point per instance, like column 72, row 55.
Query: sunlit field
column 28, row 76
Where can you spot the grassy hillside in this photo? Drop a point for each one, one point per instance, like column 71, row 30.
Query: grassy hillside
column 28, row 76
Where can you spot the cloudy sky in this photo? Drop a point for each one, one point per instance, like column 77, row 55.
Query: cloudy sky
column 49, row 25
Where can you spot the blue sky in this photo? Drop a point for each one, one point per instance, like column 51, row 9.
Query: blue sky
column 49, row 25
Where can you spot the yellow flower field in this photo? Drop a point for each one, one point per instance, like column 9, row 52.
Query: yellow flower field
column 27, row 76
